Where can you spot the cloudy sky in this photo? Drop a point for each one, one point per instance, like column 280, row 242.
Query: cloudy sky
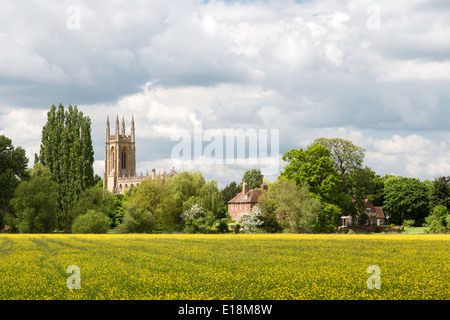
column 374, row 72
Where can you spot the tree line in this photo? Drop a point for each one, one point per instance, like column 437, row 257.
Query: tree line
column 318, row 185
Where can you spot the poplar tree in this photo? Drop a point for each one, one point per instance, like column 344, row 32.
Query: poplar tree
column 66, row 149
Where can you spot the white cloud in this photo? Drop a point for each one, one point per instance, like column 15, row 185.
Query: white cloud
column 24, row 128
column 310, row 69
column 414, row 71
column 17, row 62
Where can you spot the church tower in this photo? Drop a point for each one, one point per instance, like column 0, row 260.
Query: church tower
column 120, row 156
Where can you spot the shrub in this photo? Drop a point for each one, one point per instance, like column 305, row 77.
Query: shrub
column 437, row 220
column 408, row 223
column 91, row 222
column 94, row 198
column 250, row 221
column 137, row 220
column 222, row 225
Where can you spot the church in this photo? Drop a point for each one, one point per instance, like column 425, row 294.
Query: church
column 120, row 160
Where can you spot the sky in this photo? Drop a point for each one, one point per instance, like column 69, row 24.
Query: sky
column 373, row 72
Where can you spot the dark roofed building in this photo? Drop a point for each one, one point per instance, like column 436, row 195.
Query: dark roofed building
column 375, row 216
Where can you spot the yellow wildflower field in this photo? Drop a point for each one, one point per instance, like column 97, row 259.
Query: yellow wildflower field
column 263, row 266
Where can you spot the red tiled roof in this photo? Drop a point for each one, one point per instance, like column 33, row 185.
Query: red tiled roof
column 251, row 196
column 380, row 213
column 377, row 210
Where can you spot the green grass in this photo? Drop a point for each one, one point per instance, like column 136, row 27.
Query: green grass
column 233, row 266
column 416, row 230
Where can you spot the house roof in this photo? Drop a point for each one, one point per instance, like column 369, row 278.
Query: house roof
column 251, row 196
column 379, row 214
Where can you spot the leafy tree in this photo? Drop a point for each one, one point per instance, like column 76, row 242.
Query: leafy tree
column 91, row 222
column 295, row 209
column 94, row 198
column 254, row 179
column 189, row 188
column 440, row 192
column 405, row 199
column 137, row 220
column 268, row 217
column 438, row 219
column 154, row 197
column 148, row 195
column 314, row 166
column 35, row 203
column 13, row 170
column 346, row 156
column 360, row 184
column 377, row 194
column 230, row 191
column 166, row 200
column 197, row 220
column 328, row 217
column 66, row 149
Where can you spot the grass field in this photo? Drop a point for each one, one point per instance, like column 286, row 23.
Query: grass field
column 224, row 266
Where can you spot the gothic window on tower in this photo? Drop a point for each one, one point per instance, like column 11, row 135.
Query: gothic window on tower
column 124, row 159
column 113, row 158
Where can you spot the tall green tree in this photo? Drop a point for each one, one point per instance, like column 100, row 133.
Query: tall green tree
column 294, row 207
column 361, row 184
column 406, row 199
column 253, row 177
column 346, row 155
column 13, row 170
column 314, row 166
column 230, row 191
column 35, row 202
column 440, row 192
column 66, row 149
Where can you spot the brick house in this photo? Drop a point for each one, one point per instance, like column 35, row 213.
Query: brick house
column 375, row 216
column 244, row 201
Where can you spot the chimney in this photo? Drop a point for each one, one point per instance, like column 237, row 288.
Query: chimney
column 153, row 174
column 245, row 187
column 264, row 186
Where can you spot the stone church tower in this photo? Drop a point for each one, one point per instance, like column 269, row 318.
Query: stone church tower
column 120, row 156
column 120, row 160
